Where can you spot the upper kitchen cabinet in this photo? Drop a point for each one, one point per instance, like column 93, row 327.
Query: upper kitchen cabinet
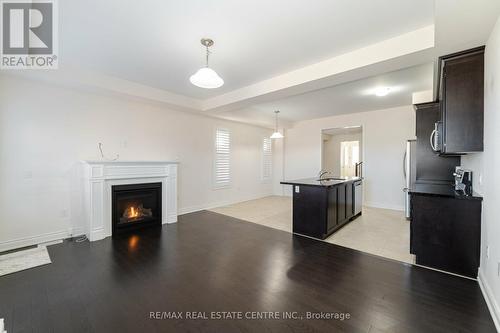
column 461, row 97
column 430, row 167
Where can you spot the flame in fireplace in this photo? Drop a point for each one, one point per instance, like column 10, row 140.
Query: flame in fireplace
column 133, row 212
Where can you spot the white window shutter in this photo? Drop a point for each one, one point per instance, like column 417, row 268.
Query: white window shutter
column 267, row 159
column 222, row 169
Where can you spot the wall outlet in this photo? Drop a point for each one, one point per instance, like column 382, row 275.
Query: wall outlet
column 480, row 179
column 487, row 252
column 297, row 189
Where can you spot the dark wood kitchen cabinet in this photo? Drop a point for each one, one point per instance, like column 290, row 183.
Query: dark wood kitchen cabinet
column 349, row 202
column 341, row 203
column 332, row 213
column 430, row 167
column 322, row 207
column 461, row 97
column 312, row 215
column 446, row 231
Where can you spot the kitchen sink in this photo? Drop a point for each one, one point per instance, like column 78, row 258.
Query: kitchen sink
column 330, row 179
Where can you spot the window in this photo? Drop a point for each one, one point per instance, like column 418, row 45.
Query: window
column 349, row 156
column 222, row 163
column 267, row 159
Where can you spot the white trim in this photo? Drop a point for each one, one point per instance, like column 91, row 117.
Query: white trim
column 490, row 299
column 60, row 241
column 99, row 179
column 383, row 205
column 78, row 231
column 39, row 239
column 445, row 272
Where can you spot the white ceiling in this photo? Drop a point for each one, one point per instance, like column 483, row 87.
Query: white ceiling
column 156, row 42
column 308, row 59
column 356, row 96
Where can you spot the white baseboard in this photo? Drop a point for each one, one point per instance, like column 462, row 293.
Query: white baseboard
column 383, row 205
column 196, row 208
column 50, row 243
column 97, row 234
column 171, row 218
column 490, row 299
column 39, row 239
column 32, row 240
column 77, row 231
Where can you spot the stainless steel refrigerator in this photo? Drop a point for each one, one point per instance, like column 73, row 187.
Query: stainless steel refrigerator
column 409, row 172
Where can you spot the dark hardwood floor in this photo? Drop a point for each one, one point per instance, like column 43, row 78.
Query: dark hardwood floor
column 211, row 262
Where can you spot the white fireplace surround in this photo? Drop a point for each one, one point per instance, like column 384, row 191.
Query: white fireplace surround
column 100, row 176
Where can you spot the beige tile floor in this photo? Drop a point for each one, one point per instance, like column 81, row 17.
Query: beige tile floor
column 382, row 232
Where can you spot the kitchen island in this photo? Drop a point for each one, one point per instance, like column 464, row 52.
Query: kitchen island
column 321, row 207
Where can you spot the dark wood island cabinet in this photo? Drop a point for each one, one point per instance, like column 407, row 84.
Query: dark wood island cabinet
column 322, row 207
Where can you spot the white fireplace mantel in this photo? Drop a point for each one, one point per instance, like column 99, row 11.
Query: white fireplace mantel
column 100, row 176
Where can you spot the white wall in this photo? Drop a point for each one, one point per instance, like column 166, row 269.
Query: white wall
column 278, row 164
column 384, row 142
column 486, row 164
column 45, row 130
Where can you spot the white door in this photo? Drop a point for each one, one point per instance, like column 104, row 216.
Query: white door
column 349, row 156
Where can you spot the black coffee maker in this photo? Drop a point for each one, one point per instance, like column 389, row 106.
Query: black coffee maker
column 463, row 180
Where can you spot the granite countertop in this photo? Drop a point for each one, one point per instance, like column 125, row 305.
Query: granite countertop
column 442, row 190
column 323, row 183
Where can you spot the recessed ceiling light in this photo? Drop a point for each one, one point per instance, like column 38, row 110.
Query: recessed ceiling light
column 382, row 91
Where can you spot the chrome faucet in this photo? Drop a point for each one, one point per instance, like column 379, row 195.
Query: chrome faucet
column 321, row 173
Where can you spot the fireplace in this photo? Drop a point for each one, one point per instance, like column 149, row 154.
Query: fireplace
column 135, row 206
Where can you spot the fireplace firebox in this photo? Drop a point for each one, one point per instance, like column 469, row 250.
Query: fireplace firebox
column 135, row 206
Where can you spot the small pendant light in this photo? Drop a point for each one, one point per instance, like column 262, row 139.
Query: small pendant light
column 276, row 134
column 206, row 77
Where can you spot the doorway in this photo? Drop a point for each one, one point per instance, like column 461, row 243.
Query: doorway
column 341, row 151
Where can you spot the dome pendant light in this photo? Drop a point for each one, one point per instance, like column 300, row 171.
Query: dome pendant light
column 276, row 134
column 206, row 77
